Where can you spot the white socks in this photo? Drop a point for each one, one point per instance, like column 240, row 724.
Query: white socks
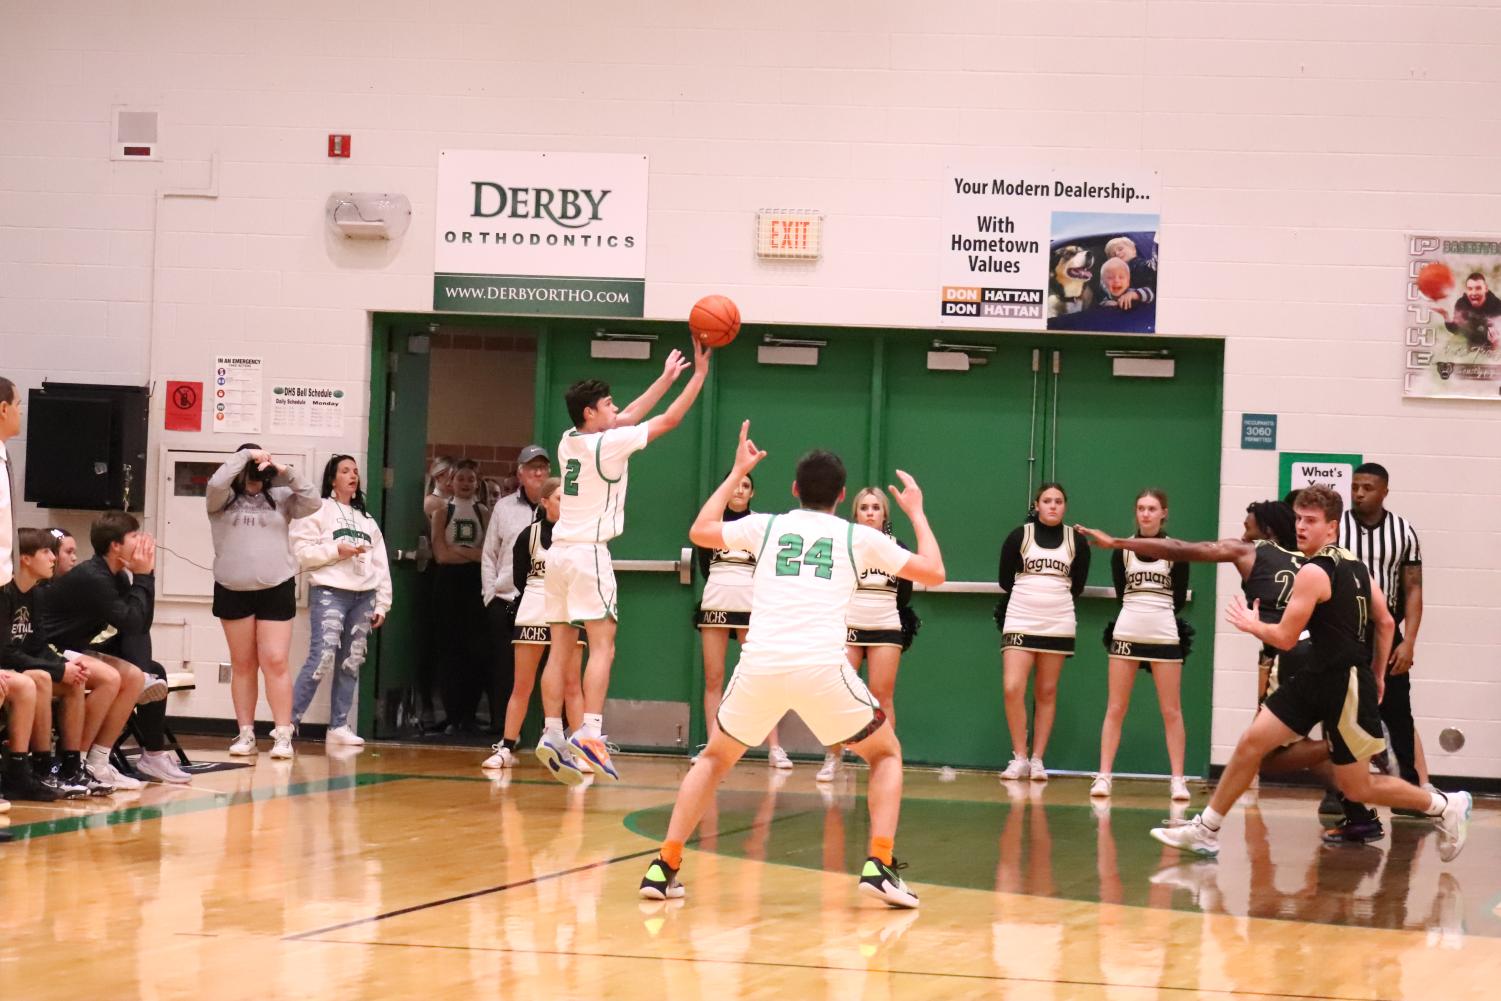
column 552, row 726
column 1437, row 804
column 594, row 724
column 98, row 755
column 1211, row 818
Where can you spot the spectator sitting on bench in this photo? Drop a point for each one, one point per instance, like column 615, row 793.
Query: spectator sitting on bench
column 101, row 609
column 59, row 676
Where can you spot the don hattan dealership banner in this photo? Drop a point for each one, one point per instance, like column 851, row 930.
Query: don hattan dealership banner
column 562, row 234
column 1033, row 248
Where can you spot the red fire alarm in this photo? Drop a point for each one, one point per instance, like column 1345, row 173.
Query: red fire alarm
column 338, row 146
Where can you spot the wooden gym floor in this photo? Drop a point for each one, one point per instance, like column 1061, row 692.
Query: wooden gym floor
column 404, row 872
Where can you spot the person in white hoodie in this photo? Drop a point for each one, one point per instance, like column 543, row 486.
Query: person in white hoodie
column 341, row 549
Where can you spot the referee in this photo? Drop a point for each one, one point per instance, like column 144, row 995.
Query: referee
column 1388, row 546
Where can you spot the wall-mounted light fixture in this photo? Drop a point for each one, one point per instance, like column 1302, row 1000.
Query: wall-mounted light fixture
column 625, row 345
column 774, row 350
column 949, row 357
column 1149, row 364
column 366, row 215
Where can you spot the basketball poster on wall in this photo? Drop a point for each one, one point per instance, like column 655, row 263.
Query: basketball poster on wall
column 1049, row 248
column 561, row 234
column 1452, row 337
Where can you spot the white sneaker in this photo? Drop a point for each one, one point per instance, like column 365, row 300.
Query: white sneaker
column 1100, row 788
column 281, row 742
column 777, row 758
column 1180, row 793
column 1192, row 837
column 106, row 772
column 161, row 766
column 502, row 758
column 829, row 770
column 1019, row 768
column 154, row 690
column 1037, row 772
column 244, row 744
column 1454, row 825
column 344, row 735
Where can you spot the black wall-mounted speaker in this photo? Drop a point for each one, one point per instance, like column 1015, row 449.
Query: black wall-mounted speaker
column 86, row 446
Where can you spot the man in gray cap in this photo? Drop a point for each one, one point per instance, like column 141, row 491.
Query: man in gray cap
column 512, row 514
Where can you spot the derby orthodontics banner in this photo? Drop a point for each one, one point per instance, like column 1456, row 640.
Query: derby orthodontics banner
column 562, row 234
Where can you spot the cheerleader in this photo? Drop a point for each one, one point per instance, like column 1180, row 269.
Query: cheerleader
column 530, row 636
column 725, row 609
column 876, row 622
column 1043, row 568
column 1152, row 592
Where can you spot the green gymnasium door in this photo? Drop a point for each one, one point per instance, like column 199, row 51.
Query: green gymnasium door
column 1112, row 437
column 967, row 438
column 398, row 442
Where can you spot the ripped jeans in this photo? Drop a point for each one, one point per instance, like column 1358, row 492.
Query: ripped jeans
column 340, row 624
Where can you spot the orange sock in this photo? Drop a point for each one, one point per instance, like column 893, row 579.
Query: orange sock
column 672, row 853
column 881, row 848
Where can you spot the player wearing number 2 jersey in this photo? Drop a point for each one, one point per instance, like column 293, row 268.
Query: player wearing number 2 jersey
column 580, row 582
column 808, row 566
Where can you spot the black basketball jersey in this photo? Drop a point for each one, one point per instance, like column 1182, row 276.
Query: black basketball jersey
column 1341, row 627
column 1271, row 579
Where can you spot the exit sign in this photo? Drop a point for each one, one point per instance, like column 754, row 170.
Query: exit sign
column 789, row 234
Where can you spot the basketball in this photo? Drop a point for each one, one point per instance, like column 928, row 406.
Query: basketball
column 1435, row 280
column 714, row 320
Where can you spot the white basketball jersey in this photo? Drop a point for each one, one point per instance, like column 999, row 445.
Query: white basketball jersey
column 1149, row 583
column 594, row 481
column 808, row 565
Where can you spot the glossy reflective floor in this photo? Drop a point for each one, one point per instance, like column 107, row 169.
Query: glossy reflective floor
column 402, row 872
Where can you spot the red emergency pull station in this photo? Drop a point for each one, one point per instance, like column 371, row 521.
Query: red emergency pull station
column 338, row 146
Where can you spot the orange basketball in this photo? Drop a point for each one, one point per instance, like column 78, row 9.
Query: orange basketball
column 714, row 320
column 1435, row 280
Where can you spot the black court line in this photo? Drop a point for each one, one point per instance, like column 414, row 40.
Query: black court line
column 487, row 891
column 986, row 977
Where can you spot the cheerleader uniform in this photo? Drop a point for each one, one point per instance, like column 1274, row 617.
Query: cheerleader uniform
column 728, row 575
column 874, row 618
column 530, row 628
column 1043, row 568
column 1151, row 592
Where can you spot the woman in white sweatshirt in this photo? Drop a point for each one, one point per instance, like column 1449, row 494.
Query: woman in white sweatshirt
column 341, row 549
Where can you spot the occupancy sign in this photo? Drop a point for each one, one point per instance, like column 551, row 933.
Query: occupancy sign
column 1033, row 249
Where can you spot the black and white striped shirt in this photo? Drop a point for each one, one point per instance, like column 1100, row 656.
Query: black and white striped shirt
column 1385, row 549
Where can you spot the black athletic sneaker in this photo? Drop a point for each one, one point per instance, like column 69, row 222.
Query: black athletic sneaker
column 879, row 880
column 21, row 784
column 80, row 775
column 661, row 882
column 1332, row 805
column 69, row 788
column 1356, row 831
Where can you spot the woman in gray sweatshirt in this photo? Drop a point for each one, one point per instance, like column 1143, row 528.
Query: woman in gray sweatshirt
column 251, row 501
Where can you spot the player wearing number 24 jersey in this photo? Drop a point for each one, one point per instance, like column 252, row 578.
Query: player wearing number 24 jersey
column 808, row 566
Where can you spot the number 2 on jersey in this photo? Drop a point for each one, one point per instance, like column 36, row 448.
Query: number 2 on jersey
column 792, row 556
column 1284, row 578
column 571, row 478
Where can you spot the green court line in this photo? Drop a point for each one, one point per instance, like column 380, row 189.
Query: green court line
column 209, row 801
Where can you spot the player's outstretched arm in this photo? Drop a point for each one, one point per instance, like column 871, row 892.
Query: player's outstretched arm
column 924, row 567
column 635, row 412
column 1310, row 587
column 708, row 527
column 678, row 408
column 1176, row 550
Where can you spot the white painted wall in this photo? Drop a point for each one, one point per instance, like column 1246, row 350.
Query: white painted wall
column 1296, row 143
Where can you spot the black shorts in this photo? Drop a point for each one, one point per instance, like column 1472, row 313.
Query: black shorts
column 1287, row 664
column 270, row 604
column 1344, row 701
